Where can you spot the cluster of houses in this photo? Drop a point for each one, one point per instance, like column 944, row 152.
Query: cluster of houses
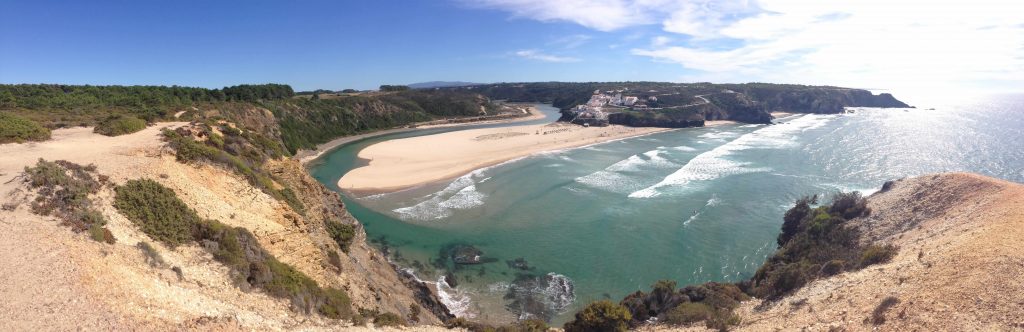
column 592, row 112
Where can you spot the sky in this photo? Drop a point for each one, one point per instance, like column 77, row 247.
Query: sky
column 891, row 44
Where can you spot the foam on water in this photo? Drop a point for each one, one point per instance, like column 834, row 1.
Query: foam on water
column 684, row 148
column 458, row 302
column 611, row 178
column 715, row 164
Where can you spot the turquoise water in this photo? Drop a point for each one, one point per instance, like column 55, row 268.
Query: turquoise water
column 692, row 205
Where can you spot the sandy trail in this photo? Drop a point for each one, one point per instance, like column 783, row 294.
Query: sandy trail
column 403, row 163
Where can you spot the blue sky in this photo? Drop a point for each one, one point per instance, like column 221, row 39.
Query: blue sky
column 362, row 44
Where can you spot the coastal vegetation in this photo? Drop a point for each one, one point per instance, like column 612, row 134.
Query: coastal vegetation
column 117, row 125
column 63, row 189
column 815, row 242
column 16, row 129
column 159, row 213
column 243, row 153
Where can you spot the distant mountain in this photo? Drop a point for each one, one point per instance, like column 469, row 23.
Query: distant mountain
column 440, row 84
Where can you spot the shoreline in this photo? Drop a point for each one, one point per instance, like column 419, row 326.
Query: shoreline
column 305, row 156
column 395, row 166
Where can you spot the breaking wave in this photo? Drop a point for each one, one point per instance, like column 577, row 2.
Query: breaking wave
column 459, row 303
column 611, row 178
column 715, row 164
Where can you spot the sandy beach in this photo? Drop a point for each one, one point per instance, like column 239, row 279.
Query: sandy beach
column 305, row 156
column 403, row 163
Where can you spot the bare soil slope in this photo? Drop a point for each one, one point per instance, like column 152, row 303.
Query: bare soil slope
column 54, row 279
column 959, row 265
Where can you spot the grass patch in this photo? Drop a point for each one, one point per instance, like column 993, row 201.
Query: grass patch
column 63, row 191
column 15, row 129
column 163, row 216
column 118, row 125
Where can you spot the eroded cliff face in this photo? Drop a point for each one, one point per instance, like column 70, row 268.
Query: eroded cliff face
column 372, row 281
column 55, row 279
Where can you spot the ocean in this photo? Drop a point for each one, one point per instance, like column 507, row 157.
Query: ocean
column 561, row 229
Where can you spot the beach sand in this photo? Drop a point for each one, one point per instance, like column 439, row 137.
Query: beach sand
column 306, row 156
column 404, row 163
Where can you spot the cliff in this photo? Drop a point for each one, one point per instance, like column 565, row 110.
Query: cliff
column 685, row 104
column 958, row 256
column 956, row 269
column 57, row 279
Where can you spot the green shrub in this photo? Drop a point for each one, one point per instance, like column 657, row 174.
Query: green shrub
column 293, row 201
column 817, row 242
column 388, row 319
column 336, row 305
column 64, row 188
column 688, row 313
column 156, row 210
column 101, row 234
column 160, row 214
column 119, row 125
column 15, row 129
column 343, row 234
column 876, row 254
column 602, row 315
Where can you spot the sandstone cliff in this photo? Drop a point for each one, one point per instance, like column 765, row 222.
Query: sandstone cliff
column 55, row 279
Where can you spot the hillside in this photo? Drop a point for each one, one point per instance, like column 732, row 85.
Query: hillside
column 688, row 104
column 56, row 279
column 958, row 236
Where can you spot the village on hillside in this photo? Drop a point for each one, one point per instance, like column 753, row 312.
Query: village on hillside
column 593, row 112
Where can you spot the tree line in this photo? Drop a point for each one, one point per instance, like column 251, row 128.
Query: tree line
column 59, row 96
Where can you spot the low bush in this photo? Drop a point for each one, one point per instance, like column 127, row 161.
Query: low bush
column 118, row 125
column 877, row 254
column 688, row 313
column 15, row 129
column 343, row 234
column 602, row 315
column 388, row 319
column 156, row 210
column 163, row 216
column 63, row 191
column 817, row 242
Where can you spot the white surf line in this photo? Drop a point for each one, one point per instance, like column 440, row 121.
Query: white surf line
column 712, row 164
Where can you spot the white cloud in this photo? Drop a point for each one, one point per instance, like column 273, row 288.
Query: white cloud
column 660, row 41
column 541, row 56
column 603, row 15
column 867, row 43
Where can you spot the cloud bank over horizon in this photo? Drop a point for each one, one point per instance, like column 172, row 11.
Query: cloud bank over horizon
column 872, row 43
